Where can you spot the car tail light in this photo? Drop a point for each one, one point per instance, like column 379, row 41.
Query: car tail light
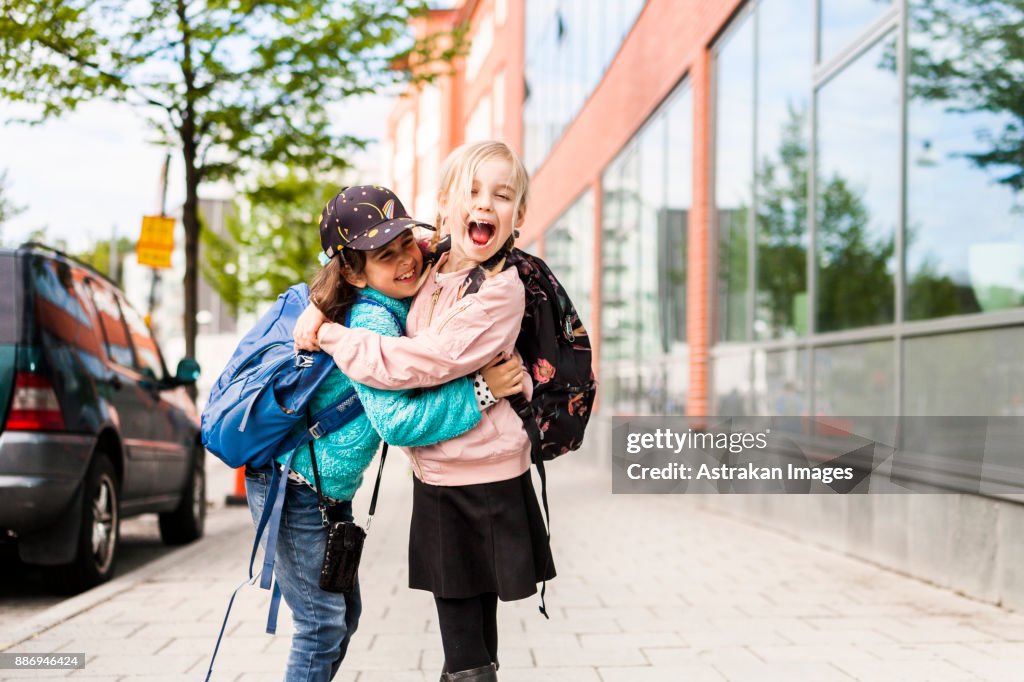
column 34, row 406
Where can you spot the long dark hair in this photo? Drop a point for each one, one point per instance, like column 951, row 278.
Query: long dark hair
column 330, row 291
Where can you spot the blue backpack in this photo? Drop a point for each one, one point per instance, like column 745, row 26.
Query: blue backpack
column 256, row 406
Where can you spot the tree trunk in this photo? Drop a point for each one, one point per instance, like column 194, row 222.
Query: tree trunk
column 190, row 218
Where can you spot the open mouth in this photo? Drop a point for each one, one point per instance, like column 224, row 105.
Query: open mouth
column 481, row 232
column 407, row 276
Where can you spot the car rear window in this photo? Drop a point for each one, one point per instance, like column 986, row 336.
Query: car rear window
column 10, row 305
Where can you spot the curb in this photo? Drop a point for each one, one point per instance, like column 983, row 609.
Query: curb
column 69, row 608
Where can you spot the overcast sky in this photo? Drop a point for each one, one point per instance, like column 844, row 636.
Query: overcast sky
column 97, row 171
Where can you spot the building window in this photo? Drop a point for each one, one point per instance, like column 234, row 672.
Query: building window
column 858, row 192
column 782, row 131
column 734, row 168
column 646, row 205
column 478, row 126
column 480, row 46
column 762, row 157
column 568, row 46
column 965, row 226
column 568, row 251
column 840, row 21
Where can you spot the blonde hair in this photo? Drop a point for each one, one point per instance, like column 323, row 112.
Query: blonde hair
column 460, row 168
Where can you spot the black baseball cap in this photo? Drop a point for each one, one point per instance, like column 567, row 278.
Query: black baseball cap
column 363, row 217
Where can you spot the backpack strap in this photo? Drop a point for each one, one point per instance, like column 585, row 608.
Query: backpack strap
column 525, row 411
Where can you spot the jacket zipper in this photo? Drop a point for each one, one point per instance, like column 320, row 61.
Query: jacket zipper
column 433, row 301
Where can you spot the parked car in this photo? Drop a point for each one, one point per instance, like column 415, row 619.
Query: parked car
column 93, row 427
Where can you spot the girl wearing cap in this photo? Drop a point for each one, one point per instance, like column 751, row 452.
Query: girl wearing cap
column 373, row 265
column 477, row 534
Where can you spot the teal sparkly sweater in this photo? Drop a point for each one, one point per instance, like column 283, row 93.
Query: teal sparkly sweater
column 407, row 418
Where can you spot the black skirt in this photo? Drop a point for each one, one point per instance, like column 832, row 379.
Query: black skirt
column 468, row 540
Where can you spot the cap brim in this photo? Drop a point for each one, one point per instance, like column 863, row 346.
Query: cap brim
column 385, row 233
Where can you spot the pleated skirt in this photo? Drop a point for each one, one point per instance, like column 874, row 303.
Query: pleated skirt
column 468, row 540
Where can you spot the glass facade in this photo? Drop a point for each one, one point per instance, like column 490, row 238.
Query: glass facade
column 868, row 230
column 569, row 44
column 840, row 21
column 647, row 193
column 857, row 192
column 567, row 244
column 964, row 142
column 762, row 124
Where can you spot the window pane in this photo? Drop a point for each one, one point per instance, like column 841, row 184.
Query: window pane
column 857, row 192
column 651, row 202
column 146, row 352
column 647, row 193
column 783, row 141
column 732, row 385
column 619, row 248
column 674, row 221
column 781, row 384
column 734, row 116
column 114, row 332
column 842, row 20
column 965, row 228
column 972, row 374
column 969, row 374
column 855, row 380
column 569, row 252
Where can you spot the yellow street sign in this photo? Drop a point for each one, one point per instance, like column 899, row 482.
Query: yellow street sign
column 156, row 241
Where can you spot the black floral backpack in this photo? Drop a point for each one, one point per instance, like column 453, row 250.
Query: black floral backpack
column 556, row 351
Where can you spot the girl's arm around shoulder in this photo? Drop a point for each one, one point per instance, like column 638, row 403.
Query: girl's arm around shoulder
column 414, row 418
column 463, row 340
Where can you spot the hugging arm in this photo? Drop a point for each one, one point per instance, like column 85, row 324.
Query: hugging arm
column 415, row 418
column 479, row 327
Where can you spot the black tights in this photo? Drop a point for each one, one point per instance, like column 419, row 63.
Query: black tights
column 469, row 631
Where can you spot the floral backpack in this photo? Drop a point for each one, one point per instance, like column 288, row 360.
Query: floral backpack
column 556, row 350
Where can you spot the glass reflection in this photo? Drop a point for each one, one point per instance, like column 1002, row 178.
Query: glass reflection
column 569, row 252
column 734, row 146
column 569, row 45
column 651, row 201
column 855, row 380
column 674, row 222
column 964, row 140
column 645, row 206
column 840, row 21
column 783, row 144
column 781, row 386
column 731, row 375
column 969, row 374
column 857, row 192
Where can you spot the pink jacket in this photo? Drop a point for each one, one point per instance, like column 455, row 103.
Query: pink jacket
column 448, row 338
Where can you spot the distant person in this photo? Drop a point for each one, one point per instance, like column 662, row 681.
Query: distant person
column 372, row 269
column 476, row 534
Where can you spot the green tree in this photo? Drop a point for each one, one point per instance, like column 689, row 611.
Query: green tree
column 98, row 256
column 236, row 84
column 972, row 59
column 270, row 241
column 855, row 284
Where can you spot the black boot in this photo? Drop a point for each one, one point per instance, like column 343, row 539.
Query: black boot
column 488, row 673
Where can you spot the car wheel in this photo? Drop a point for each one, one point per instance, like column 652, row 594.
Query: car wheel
column 99, row 535
column 185, row 524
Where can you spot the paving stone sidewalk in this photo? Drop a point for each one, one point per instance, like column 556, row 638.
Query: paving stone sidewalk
column 650, row 588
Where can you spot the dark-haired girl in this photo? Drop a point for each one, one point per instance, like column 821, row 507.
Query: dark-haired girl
column 372, row 270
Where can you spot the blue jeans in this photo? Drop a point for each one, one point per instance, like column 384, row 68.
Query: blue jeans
column 324, row 621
